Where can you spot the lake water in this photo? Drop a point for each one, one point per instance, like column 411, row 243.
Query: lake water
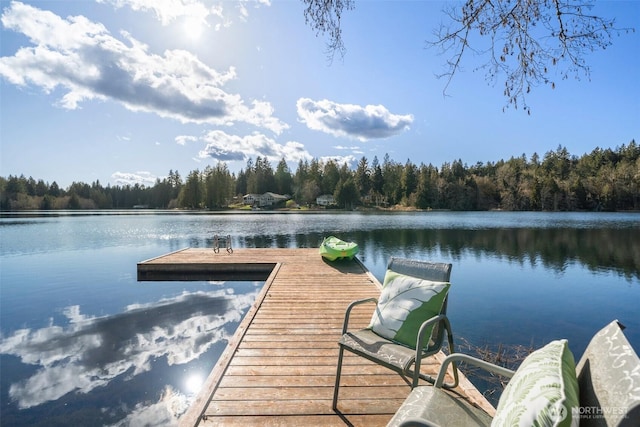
column 84, row 343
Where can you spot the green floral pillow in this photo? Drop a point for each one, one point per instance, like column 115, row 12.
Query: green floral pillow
column 404, row 304
column 543, row 391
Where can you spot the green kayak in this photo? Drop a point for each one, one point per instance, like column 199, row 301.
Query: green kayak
column 333, row 248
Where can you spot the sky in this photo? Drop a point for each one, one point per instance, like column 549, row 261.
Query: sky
column 123, row 91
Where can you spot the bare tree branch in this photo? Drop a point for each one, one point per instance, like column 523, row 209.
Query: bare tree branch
column 527, row 42
column 324, row 17
column 532, row 42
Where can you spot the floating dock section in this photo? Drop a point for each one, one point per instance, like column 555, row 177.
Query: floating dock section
column 279, row 368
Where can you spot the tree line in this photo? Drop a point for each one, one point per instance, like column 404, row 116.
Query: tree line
column 605, row 179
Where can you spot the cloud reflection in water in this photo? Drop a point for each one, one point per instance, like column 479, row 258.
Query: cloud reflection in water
column 92, row 351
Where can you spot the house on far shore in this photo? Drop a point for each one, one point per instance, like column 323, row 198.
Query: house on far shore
column 325, row 200
column 264, row 200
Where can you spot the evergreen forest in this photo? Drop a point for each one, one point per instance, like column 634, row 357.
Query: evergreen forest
column 605, row 179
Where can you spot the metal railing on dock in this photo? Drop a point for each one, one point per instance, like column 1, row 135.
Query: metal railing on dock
column 227, row 242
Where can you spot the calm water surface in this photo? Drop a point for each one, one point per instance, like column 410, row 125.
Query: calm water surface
column 83, row 343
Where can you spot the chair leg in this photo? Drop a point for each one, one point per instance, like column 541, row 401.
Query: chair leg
column 416, row 374
column 337, row 385
column 454, row 366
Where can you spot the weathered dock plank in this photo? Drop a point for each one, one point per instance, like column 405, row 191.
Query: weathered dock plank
column 279, row 368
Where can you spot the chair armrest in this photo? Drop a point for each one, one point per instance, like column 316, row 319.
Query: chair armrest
column 444, row 321
column 459, row 357
column 425, row 325
column 350, row 307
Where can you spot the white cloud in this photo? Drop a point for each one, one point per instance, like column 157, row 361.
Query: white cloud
column 184, row 139
column 340, row 160
column 167, row 11
column 244, row 13
column 92, row 351
column 165, row 412
column 86, row 61
column 194, row 11
column 225, row 147
column 353, row 121
column 132, row 178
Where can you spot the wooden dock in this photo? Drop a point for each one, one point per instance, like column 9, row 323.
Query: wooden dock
column 279, row 368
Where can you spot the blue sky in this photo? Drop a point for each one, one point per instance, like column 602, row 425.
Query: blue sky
column 122, row 91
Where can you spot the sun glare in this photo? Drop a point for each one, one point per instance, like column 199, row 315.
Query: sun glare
column 193, row 28
column 193, row 383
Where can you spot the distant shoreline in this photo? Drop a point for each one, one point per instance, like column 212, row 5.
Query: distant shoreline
column 283, row 211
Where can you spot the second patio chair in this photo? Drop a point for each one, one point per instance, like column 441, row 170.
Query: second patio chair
column 408, row 323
